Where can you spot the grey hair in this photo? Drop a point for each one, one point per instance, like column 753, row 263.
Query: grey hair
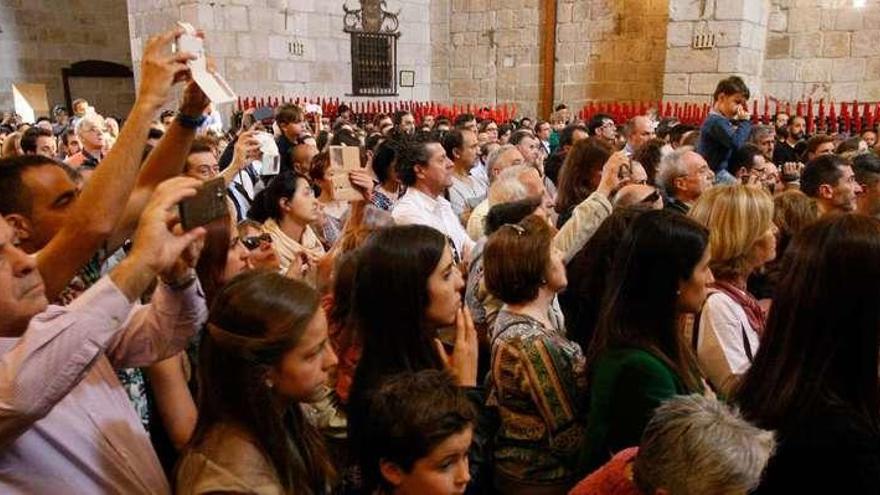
column 760, row 132
column 88, row 122
column 695, row 445
column 671, row 167
column 507, row 187
column 494, row 156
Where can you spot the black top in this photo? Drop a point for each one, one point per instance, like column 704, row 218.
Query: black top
column 833, row 450
column 784, row 153
column 553, row 166
column 672, row 204
column 285, row 151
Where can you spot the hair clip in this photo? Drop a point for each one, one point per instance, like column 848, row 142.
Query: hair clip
column 520, row 230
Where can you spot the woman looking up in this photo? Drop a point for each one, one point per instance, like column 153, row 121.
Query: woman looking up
column 398, row 317
column 286, row 207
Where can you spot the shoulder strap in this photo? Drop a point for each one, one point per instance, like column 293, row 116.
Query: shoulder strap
column 695, row 332
column 746, row 344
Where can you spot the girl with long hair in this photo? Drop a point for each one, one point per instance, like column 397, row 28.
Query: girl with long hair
column 406, row 288
column 815, row 379
column 264, row 352
column 638, row 356
column 286, row 207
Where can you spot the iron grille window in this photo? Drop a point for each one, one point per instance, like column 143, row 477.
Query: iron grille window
column 374, row 64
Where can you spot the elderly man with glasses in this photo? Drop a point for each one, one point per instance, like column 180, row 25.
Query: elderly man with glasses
column 683, row 175
column 90, row 130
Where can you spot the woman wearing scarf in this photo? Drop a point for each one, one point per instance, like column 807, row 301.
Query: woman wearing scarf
column 286, row 207
column 742, row 237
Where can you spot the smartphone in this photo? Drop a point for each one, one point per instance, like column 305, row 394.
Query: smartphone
column 207, row 205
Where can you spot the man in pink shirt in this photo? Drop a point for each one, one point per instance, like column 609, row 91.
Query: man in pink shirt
column 66, row 425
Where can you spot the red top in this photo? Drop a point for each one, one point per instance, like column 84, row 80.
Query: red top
column 614, row 478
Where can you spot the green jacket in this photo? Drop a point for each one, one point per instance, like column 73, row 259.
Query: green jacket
column 626, row 385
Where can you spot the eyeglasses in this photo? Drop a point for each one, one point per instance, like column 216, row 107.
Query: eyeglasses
column 254, row 241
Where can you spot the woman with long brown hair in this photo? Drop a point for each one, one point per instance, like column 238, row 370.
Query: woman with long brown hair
column 815, row 378
column 264, row 352
column 581, row 175
column 638, row 357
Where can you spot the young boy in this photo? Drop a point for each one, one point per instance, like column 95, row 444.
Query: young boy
column 418, row 434
column 726, row 128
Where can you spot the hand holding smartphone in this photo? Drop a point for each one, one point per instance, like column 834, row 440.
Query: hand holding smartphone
column 207, row 205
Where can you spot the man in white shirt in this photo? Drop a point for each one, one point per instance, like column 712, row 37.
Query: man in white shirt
column 426, row 171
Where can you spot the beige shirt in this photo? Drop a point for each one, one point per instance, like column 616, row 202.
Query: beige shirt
column 585, row 220
column 227, row 460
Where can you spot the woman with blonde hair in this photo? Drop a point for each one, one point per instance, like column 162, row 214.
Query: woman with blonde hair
column 742, row 238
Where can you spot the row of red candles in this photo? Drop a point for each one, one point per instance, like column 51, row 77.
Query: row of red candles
column 828, row 117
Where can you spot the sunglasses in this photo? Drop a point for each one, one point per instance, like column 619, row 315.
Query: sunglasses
column 651, row 198
column 254, row 241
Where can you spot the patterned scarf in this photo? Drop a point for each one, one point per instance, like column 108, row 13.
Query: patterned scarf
column 755, row 314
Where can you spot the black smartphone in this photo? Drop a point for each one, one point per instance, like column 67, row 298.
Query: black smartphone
column 207, row 205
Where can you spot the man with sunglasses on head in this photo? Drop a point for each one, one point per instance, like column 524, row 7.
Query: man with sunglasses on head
column 638, row 194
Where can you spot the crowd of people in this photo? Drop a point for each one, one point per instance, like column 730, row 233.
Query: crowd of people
column 524, row 307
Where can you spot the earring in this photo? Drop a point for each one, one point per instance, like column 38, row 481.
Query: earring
column 678, row 292
column 269, row 383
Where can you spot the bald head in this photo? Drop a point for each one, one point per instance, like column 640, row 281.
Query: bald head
column 640, row 131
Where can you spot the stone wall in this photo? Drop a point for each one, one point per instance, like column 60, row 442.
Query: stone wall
column 39, row 38
column 486, row 51
column 740, row 29
column 823, row 49
column 605, row 49
column 610, row 50
column 251, row 41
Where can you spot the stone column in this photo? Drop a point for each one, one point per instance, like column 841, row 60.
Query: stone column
column 740, row 28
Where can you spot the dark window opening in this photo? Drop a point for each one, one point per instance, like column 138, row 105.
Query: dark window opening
column 374, row 64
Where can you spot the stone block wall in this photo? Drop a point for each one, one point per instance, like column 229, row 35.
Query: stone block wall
column 485, row 51
column 250, row 41
column 40, row 37
column 605, row 49
column 740, row 29
column 823, row 49
column 610, row 50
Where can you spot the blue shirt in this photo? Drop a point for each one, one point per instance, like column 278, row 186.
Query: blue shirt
column 719, row 138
